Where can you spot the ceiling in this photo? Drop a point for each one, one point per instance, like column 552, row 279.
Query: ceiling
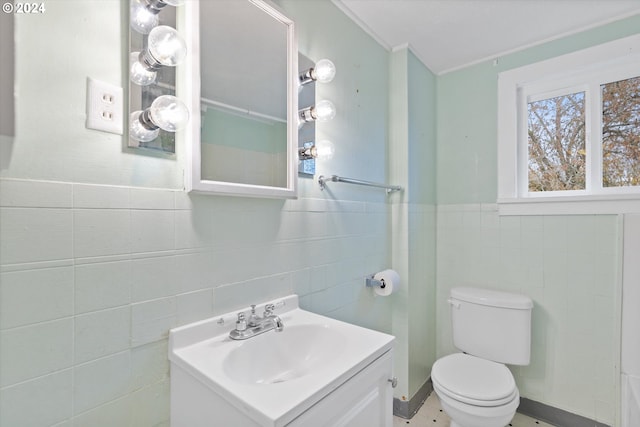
column 451, row 34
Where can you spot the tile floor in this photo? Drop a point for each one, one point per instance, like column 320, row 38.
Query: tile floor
column 431, row 415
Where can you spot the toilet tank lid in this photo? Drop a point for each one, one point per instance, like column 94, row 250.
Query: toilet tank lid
column 492, row 298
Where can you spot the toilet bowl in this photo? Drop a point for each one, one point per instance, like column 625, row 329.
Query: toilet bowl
column 475, row 392
column 491, row 328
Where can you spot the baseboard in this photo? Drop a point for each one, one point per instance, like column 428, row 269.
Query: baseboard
column 555, row 416
column 408, row 408
column 540, row 411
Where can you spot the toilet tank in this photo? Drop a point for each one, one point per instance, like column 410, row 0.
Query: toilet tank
column 491, row 324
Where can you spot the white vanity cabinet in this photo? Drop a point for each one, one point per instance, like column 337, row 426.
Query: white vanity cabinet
column 316, row 372
column 364, row 400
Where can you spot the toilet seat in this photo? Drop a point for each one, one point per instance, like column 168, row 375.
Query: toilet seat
column 473, row 380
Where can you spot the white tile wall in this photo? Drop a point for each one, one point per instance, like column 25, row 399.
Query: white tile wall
column 630, row 352
column 112, row 374
column 43, row 401
column 92, row 277
column 35, row 234
column 31, row 351
column 33, row 296
column 101, row 333
column 102, row 285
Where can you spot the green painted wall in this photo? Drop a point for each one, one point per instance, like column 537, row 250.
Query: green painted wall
column 412, row 152
column 359, row 90
column 173, row 257
column 245, row 133
column 568, row 264
column 467, row 115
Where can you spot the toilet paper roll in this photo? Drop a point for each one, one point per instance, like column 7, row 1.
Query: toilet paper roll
column 391, row 280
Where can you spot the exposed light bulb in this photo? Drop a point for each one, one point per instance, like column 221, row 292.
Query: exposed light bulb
column 166, row 46
column 138, row 73
column 143, row 19
column 166, row 112
column 324, row 110
column 324, row 71
column 324, row 149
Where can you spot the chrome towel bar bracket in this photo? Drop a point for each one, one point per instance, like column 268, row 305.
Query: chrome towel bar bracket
column 322, row 181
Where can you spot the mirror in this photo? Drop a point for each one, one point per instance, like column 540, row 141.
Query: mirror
column 244, row 84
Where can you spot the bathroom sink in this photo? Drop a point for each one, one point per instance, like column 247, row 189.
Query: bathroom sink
column 275, row 376
column 283, row 356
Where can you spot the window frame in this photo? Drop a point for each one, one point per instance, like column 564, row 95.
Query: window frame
column 585, row 70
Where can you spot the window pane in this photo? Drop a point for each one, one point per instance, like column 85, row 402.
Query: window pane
column 556, row 140
column 621, row 133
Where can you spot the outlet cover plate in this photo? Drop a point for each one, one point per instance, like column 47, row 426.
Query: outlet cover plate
column 104, row 107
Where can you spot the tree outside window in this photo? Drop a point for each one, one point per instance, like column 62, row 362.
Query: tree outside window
column 621, row 133
column 557, row 156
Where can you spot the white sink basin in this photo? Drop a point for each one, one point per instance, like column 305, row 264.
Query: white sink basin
column 275, row 376
column 283, row 356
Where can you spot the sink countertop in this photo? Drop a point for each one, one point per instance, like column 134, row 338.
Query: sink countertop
column 202, row 348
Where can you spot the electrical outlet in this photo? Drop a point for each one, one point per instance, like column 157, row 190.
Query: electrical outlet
column 104, row 106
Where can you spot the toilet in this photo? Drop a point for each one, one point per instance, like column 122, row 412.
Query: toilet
column 491, row 328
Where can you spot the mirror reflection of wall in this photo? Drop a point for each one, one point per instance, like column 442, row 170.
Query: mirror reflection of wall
column 7, row 121
column 243, row 149
column 243, row 94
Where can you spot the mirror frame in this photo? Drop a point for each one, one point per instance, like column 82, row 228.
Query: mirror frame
column 188, row 89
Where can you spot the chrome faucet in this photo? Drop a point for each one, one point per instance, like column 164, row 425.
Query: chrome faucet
column 256, row 325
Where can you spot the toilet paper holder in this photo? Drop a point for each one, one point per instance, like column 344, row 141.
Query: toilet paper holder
column 370, row 282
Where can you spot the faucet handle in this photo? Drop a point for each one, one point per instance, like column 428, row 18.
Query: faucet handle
column 241, row 323
column 254, row 319
column 268, row 310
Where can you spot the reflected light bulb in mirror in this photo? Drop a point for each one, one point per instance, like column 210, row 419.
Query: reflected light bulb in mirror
column 324, row 149
column 143, row 19
column 140, row 132
column 324, row 71
column 144, row 13
column 324, row 110
column 138, row 73
column 165, row 47
column 166, row 112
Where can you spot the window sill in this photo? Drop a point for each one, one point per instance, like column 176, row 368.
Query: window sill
column 575, row 205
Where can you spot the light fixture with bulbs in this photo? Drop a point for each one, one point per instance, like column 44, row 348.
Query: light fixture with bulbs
column 155, row 50
column 144, row 13
column 311, row 149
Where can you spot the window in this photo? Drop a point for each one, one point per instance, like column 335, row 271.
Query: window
column 556, row 143
column 621, row 133
column 569, row 133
